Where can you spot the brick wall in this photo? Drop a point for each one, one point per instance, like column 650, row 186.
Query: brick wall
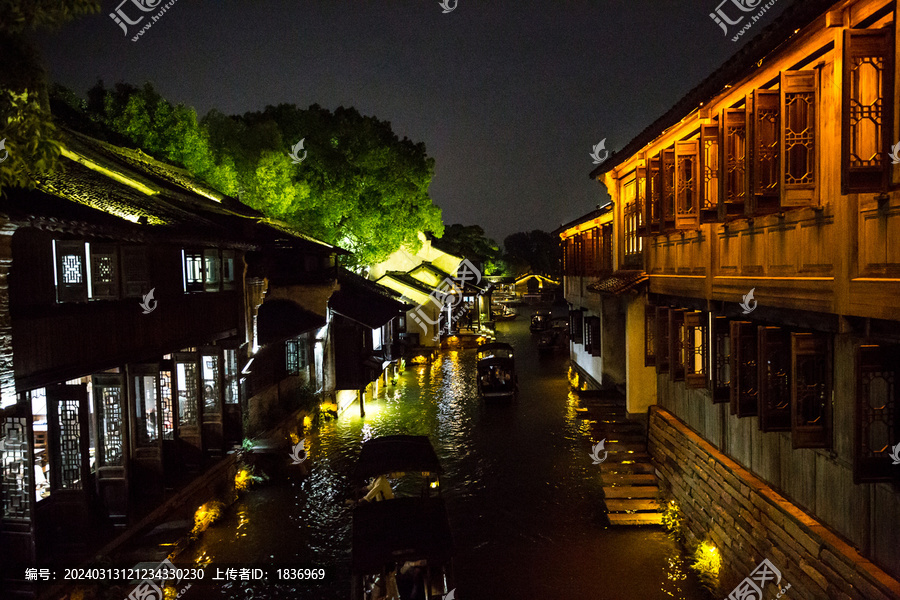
column 747, row 521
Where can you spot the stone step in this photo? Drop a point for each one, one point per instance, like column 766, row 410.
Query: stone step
column 619, row 467
column 629, row 479
column 619, row 456
column 626, row 437
column 624, row 447
column 631, row 504
column 639, row 491
column 635, row 518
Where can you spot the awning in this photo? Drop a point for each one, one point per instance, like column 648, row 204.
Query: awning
column 618, row 283
column 358, row 300
column 279, row 320
column 396, row 453
column 399, row 530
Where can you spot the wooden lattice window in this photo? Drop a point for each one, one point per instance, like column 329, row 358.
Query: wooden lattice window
column 653, row 204
column 109, row 403
column 591, row 336
column 687, row 185
column 676, row 344
column 694, row 349
column 877, row 402
column 799, row 145
column 667, row 190
column 607, row 261
column 662, row 339
column 632, row 215
column 868, row 90
column 193, row 270
column 709, row 173
column 764, row 121
column 104, row 271
column 649, row 335
column 744, row 369
column 734, row 163
column 720, row 361
column 292, row 356
column 135, row 272
column 811, row 390
column 228, row 266
column 71, row 278
column 640, row 198
column 774, row 379
column 576, row 326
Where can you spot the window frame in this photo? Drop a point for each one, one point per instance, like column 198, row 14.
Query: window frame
column 76, row 291
column 867, row 43
column 662, row 339
column 676, row 344
column 744, row 369
column 774, row 348
column 719, row 390
column 733, row 195
column 649, row 335
column 795, row 83
column 876, row 466
column 687, row 189
column 764, row 154
column 695, row 347
column 818, row 346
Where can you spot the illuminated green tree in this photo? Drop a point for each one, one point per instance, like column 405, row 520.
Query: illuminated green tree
column 26, row 128
column 358, row 185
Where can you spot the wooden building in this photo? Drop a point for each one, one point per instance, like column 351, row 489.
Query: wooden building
column 758, row 222
column 367, row 322
column 128, row 314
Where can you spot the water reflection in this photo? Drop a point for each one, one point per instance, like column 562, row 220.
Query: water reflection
column 525, row 501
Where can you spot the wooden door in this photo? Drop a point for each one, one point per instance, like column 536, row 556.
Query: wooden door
column 18, row 488
column 111, row 425
column 231, row 408
column 188, row 431
column 63, row 521
column 146, row 430
column 211, row 384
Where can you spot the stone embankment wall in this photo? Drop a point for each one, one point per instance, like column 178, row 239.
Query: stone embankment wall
column 748, row 521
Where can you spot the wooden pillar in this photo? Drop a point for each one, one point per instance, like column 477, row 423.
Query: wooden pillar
column 362, row 403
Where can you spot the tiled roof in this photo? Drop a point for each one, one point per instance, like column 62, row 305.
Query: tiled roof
column 618, row 283
column 365, row 301
column 102, row 189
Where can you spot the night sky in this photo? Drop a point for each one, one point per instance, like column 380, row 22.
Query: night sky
column 508, row 97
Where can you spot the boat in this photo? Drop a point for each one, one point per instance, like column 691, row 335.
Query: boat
column 503, row 313
column 402, row 542
column 554, row 339
column 496, row 370
column 541, row 320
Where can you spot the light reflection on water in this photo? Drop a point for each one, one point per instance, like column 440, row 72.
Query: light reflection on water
column 524, row 499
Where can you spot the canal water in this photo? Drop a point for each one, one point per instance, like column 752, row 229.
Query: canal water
column 524, row 500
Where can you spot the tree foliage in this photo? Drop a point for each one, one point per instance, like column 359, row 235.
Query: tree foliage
column 533, row 251
column 358, row 186
column 26, row 128
column 469, row 241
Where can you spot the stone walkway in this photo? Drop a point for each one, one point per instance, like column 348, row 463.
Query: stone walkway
column 629, row 478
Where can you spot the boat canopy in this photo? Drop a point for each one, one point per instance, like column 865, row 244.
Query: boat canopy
column 396, row 453
column 403, row 529
column 495, row 350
